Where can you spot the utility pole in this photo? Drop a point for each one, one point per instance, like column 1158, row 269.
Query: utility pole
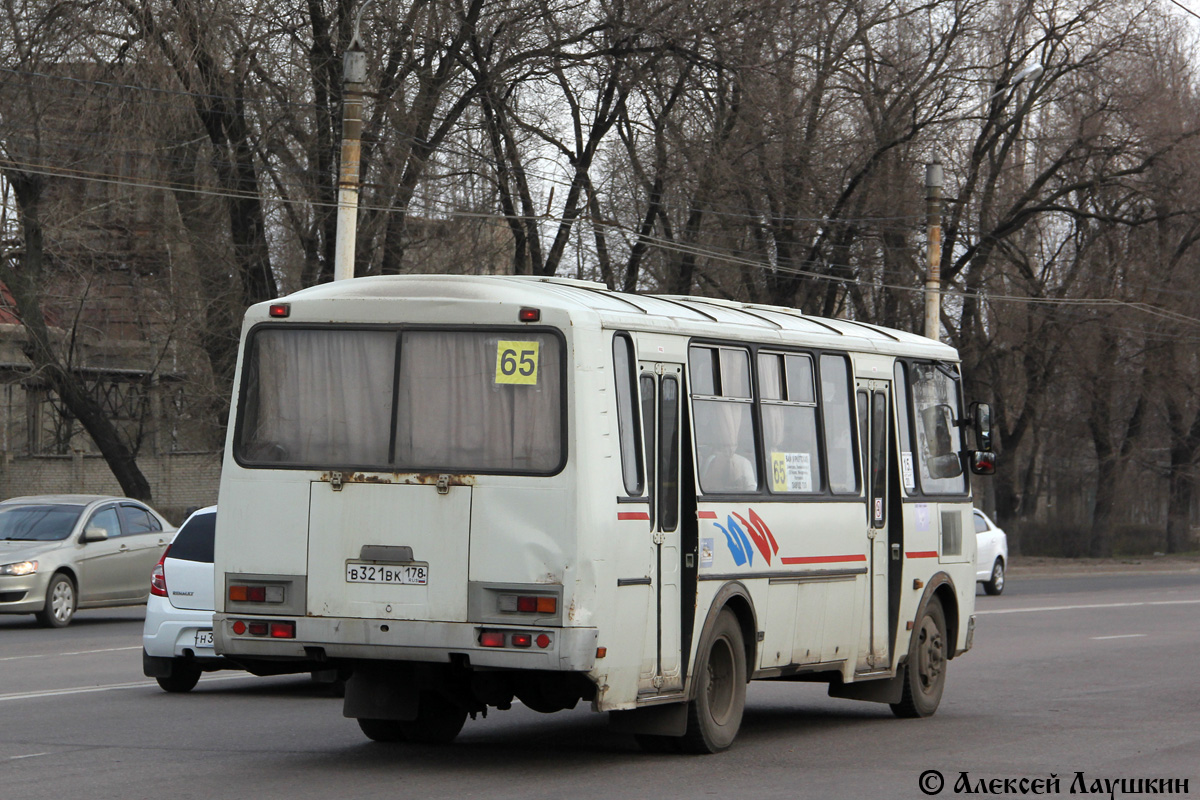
column 933, row 208
column 354, row 75
column 933, row 223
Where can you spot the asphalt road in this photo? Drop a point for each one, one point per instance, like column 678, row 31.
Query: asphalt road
column 1078, row 674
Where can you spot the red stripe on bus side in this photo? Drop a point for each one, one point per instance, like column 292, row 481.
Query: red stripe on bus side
column 706, row 515
column 922, row 554
column 644, row 516
column 823, row 559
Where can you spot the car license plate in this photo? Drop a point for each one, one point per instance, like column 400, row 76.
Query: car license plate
column 391, row 574
column 204, row 639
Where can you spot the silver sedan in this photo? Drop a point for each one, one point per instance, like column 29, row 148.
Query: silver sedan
column 63, row 552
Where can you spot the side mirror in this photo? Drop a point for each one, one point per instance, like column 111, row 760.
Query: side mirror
column 981, row 415
column 94, row 534
column 983, row 462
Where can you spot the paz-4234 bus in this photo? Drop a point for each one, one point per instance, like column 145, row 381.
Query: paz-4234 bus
column 464, row 492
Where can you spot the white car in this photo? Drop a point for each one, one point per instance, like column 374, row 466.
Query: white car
column 991, row 554
column 177, row 639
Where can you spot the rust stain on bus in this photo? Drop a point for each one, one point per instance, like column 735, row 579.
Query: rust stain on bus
column 403, row 478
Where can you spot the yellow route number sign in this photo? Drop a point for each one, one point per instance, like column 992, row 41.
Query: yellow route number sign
column 517, row 362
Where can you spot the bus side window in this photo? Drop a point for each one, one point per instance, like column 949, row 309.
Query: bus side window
column 722, row 412
column 649, row 411
column 836, row 414
column 627, row 427
column 907, row 474
column 789, row 418
column 668, row 456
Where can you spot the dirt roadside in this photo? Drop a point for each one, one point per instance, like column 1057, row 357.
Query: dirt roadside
column 1043, row 567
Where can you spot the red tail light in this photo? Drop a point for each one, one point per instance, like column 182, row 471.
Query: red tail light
column 158, row 578
column 491, row 639
column 283, row 630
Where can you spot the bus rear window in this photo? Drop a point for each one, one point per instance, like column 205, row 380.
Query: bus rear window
column 426, row 400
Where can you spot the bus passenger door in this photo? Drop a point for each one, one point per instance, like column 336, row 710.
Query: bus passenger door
column 874, row 404
column 661, row 388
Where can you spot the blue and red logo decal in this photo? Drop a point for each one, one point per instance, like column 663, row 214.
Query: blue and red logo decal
column 744, row 536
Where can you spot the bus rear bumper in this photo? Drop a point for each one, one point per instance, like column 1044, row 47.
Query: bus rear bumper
column 557, row 649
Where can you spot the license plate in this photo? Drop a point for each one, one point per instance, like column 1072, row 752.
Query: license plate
column 204, row 639
column 390, row 574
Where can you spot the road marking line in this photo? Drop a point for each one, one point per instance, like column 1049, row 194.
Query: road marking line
column 31, row 755
column 1120, row 636
column 76, row 653
column 108, row 688
column 1091, row 605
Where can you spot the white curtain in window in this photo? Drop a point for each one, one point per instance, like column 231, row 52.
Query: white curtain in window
column 324, row 397
column 455, row 413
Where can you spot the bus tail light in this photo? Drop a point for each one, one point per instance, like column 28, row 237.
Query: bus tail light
column 256, row 594
column 275, row 629
column 528, row 604
column 508, row 639
column 283, row 630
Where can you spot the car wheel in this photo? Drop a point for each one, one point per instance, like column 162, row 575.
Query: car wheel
column 715, row 716
column 183, row 678
column 60, row 603
column 925, row 670
column 996, row 584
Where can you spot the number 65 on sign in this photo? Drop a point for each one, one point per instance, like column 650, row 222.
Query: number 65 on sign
column 517, row 362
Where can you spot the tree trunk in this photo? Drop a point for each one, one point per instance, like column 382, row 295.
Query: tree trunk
column 24, row 283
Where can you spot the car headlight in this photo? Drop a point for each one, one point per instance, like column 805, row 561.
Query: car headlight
column 19, row 568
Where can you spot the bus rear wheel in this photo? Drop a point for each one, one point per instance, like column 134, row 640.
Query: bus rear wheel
column 382, row 730
column 715, row 716
column 438, row 721
column 925, row 670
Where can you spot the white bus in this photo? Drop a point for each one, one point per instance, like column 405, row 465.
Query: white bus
column 465, row 491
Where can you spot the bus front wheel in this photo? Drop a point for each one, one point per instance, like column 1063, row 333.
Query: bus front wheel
column 925, row 670
column 716, row 714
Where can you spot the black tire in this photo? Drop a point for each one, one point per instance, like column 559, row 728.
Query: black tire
column 438, row 721
column 996, row 584
column 382, row 730
column 715, row 716
column 61, row 602
column 183, row 678
column 925, row 669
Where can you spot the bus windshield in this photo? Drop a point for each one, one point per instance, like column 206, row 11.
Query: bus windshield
column 473, row 401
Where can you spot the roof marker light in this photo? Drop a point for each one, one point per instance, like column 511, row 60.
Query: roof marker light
column 280, row 310
column 529, row 314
